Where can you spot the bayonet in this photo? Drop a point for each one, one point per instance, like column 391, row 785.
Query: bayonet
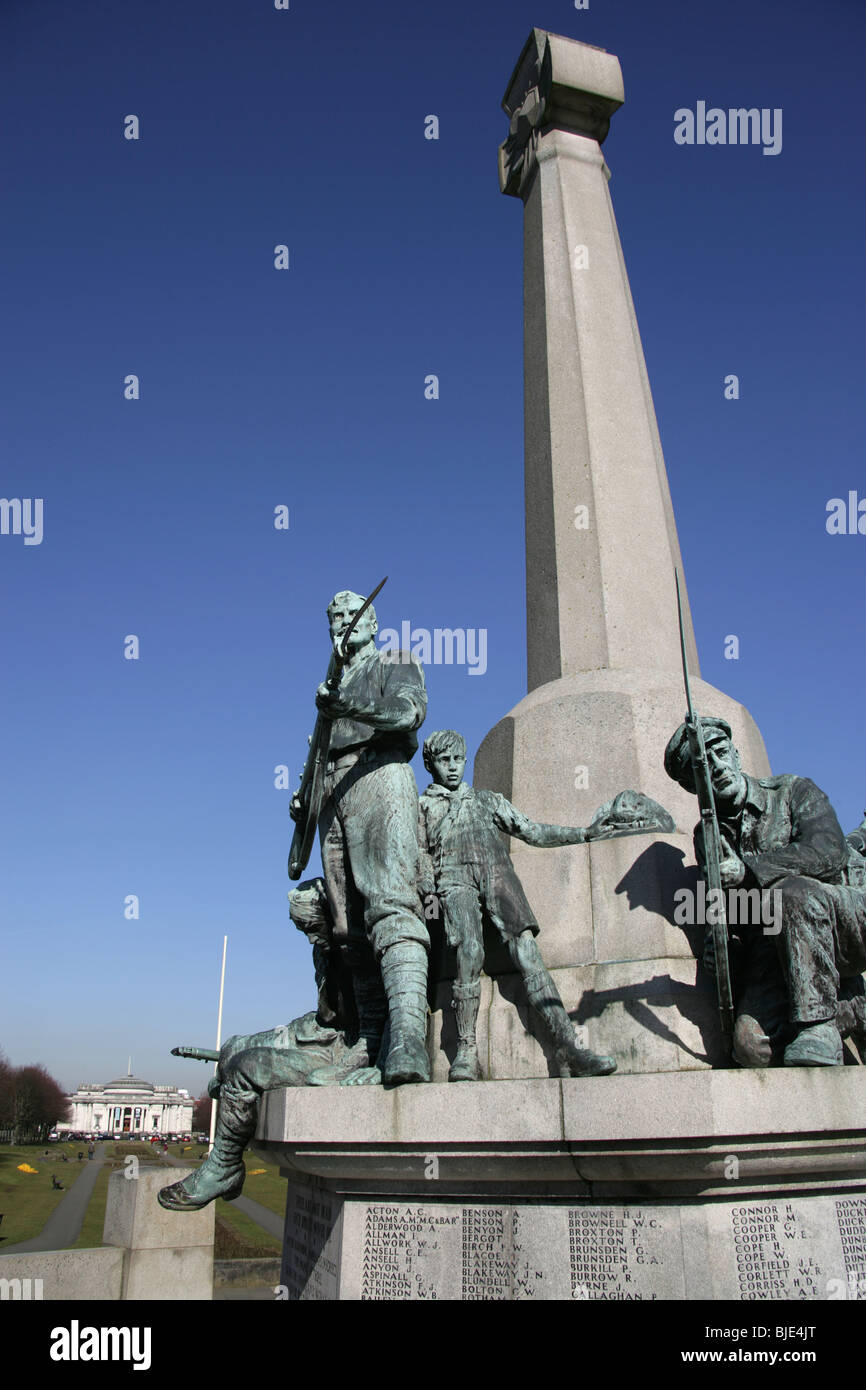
column 712, row 842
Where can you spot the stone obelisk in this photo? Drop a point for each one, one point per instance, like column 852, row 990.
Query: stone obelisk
column 604, row 662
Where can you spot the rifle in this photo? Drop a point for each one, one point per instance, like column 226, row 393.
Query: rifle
column 712, row 842
column 201, row 1054
column 310, row 793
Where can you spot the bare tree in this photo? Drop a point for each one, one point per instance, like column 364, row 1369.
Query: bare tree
column 38, row 1101
column 201, row 1113
column 7, row 1093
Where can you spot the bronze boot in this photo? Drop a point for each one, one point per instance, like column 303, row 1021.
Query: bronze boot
column 816, row 1045
column 465, row 1002
column 571, row 1059
column 222, row 1173
column 404, row 975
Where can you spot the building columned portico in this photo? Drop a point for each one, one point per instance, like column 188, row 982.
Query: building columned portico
column 129, row 1106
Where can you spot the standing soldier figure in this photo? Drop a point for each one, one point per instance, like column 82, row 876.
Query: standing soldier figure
column 368, row 830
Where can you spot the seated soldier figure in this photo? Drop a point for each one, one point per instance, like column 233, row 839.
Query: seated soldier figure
column 857, row 838
column 465, row 862
column 798, row 982
column 348, row 1022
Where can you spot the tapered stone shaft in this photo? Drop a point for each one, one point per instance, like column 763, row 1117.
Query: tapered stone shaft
column 604, row 663
column 601, row 542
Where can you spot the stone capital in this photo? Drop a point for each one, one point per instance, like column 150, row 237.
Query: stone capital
column 557, row 83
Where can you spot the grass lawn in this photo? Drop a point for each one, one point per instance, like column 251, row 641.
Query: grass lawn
column 239, row 1238
column 266, row 1187
column 263, row 1182
column 27, row 1199
column 94, row 1218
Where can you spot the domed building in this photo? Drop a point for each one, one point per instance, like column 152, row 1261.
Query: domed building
column 128, row 1105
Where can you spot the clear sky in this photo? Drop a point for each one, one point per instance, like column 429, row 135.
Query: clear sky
column 305, row 388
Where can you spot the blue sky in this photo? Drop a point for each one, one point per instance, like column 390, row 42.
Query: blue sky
column 306, row 388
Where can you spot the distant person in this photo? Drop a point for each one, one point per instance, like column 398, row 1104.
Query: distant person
column 91, row 1151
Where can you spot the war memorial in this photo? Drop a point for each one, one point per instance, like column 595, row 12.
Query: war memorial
column 654, row 1035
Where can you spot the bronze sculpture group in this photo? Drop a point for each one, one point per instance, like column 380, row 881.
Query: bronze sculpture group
column 385, row 851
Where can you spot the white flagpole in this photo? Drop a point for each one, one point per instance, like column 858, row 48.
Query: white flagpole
column 213, row 1109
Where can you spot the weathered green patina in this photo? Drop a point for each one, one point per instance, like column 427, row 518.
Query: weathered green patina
column 368, row 826
column 466, row 865
column 796, row 908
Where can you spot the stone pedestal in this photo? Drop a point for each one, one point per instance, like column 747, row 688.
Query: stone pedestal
column 168, row 1255
column 713, row 1185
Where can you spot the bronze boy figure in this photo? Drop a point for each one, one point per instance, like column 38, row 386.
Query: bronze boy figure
column 465, row 860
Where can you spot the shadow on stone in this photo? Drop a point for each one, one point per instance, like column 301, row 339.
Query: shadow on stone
column 662, row 992
column 653, row 880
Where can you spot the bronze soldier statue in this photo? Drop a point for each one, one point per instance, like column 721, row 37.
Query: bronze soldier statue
column 797, row 970
column 368, row 829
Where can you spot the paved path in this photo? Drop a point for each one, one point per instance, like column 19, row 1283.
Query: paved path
column 62, row 1228
column 263, row 1216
